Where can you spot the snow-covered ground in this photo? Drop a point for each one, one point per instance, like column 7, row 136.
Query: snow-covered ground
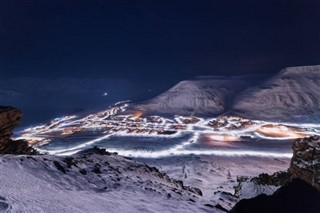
column 91, row 183
column 216, row 173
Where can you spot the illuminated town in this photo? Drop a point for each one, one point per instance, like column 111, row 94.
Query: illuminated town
column 115, row 122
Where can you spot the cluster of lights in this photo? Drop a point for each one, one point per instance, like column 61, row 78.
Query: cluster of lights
column 114, row 121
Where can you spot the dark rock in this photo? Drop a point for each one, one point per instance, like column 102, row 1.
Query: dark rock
column 18, row 147
column 95, row 150
column 59, row 167
column 276, row 179
column 32, row 158
column 96, row 170
column 4, row 206
column 218, row 206
column 209, row 205
column 301, row 184
column 9, row 119
column 295, row 197
column 70, row 162
column 305, row 162
column 197, row 191
column 83, row 171
column 192, row 200
column 179, row 183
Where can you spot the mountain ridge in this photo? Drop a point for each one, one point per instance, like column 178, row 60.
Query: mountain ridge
column 199, row 96
column 291, row 95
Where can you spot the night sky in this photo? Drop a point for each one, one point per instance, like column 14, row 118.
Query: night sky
column 156, row 40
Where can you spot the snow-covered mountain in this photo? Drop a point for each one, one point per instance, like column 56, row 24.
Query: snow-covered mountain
column 291, row 95
column 200, row 96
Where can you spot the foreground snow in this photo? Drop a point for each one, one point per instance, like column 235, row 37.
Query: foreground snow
column 91, row 183
column 96, row 181
column 218, row 173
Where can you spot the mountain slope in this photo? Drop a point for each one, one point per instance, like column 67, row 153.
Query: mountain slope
column 291, row 95
column 201, row 96
column 91, row 181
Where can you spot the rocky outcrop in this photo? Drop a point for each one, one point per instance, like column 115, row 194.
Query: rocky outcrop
column 9, row 119
column 17, row 147
column 300, row 191
column 305, row 163
column 276, row 179
column 295, row 197
column 263, row 184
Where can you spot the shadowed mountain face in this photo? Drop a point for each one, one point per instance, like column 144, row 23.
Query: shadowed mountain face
column 300, row 190
column 291, row 95
column 204, row 96
column 295, row 197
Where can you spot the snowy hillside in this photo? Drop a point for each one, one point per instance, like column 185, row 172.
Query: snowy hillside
column 91, row 182
column 201, row 96
column 291, row 95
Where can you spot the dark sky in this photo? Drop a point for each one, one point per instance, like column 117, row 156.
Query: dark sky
column 156, row 40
